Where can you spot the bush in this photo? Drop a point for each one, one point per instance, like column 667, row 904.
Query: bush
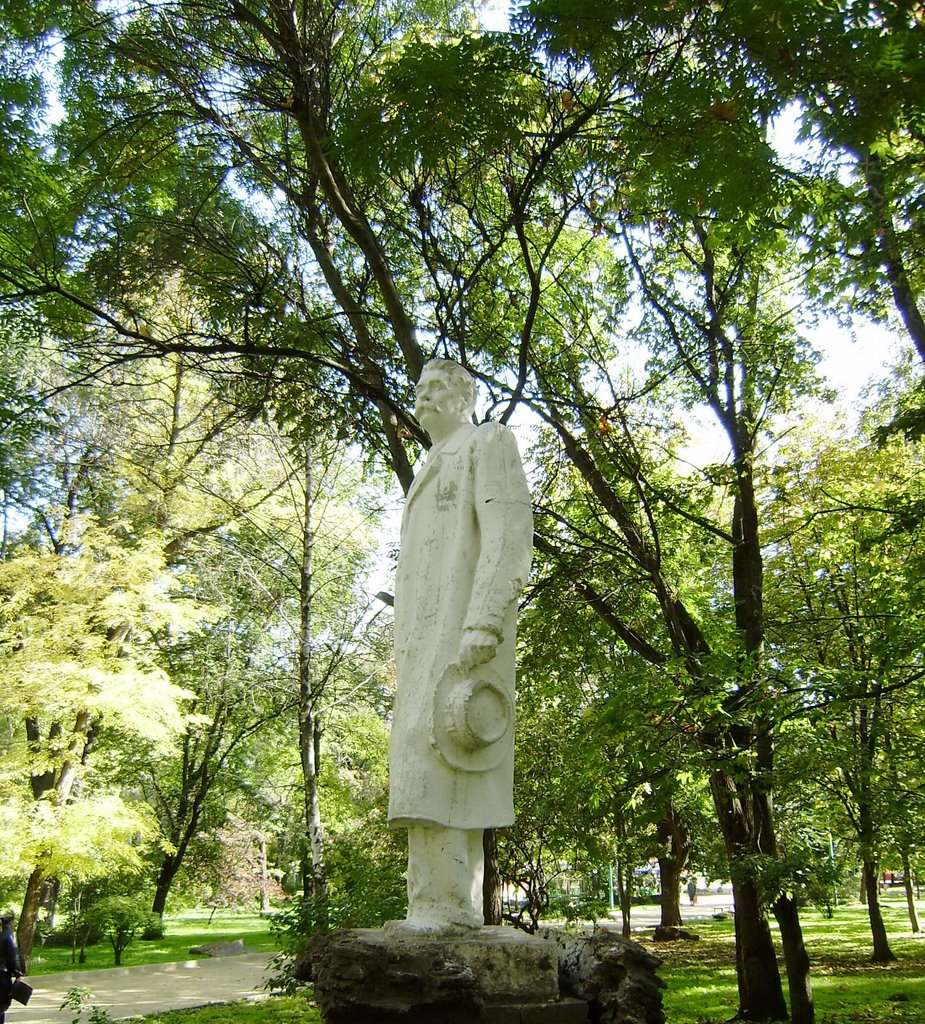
column 576, row 908
column 62, row 938
column 365, row 888
column 120, row 919
column 154, row 929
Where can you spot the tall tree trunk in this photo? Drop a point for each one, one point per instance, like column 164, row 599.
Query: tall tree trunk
column 675, row 847
column 169, row 867
column 740, row 814
column 623, row 871
column 670, row 871
column 890, row 250
column 314, row 880
column 882, row 953
column 796, row 958
column 624, row 862
column 862, row 784
column 744, row 807
column 185, row 827
column 50, row 898
column 58, row 786
column 910, row 894
column 29, row 916
column 745, row 817
column 491, row 883
column 761, row 993
column 264, row 877
column 627, row 887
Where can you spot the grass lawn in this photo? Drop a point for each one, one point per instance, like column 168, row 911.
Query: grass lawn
column 700, row 976
column 275, row 1010
column 183, row 932
column 701, row 981
column 847, row 987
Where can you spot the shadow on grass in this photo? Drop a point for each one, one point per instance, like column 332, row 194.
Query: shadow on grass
column 275, row 1010
column 184, row 932
column 847, row 987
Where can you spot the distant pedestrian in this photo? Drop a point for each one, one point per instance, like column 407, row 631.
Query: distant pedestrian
column 10, row 966
column 691, row 891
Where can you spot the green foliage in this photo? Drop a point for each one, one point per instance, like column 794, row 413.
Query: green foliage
column 439, row 98
column 154, row 929
column 66, row 624
column 184, row 931
column 273, row 1010
column 365, row 888
column 854, row 660
column 119, row 919
column 701, row 986
column 76, row 660
column 576, row 909
column 79, row 1001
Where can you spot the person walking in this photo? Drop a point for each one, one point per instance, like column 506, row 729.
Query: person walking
column 10, row 968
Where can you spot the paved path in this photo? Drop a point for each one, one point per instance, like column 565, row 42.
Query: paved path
column 646, row 916
column 134, row 991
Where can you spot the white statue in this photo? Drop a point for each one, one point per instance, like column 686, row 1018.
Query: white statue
column 466, row 546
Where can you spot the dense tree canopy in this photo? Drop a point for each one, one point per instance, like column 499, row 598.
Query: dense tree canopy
column 233, row 234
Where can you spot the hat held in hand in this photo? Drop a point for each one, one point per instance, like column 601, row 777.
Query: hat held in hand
column 473, row 718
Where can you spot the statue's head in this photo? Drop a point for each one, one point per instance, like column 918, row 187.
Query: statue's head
column 445, row 394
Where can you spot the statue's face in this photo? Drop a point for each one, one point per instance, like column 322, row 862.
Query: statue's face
column 438, row 400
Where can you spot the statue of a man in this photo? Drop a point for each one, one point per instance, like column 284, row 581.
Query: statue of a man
column 466, row 547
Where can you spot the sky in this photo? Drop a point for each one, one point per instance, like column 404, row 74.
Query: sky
column 851, row 360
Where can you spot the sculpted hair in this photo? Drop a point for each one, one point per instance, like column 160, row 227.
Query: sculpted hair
column 459, row 375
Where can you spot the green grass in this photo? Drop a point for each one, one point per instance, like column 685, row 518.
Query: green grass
column 183, row 932
column 701, row 981
column 700, row 976
column 847, row 987
column 275, row 1010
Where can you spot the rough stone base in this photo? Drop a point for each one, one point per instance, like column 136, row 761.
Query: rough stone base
column 493, row 976
column 370, row 976
column 615, row 976
column 565, row 1011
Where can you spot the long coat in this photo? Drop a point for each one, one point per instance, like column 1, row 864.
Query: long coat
column 466, row 547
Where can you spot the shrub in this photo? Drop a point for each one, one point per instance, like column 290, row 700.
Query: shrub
column 120, row 919
column 365, row 888
column 154, row 929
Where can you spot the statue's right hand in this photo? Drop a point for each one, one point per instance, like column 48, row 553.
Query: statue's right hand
column 478, row 647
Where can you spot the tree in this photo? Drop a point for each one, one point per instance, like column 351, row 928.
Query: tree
column 327, row 620
column 635, row 128
column 846, row 628
column 120, row 919
column 79, row 682
column 855, row 72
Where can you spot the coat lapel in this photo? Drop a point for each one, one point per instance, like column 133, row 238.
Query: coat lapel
column 429, row 470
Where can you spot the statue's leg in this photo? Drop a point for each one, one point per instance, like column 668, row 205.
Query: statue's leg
column 476, row 851
column 445, row 869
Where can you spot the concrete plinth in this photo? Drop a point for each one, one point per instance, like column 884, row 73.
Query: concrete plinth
column 492, row 976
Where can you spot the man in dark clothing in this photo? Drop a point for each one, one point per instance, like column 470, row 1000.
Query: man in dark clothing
column 9, row 963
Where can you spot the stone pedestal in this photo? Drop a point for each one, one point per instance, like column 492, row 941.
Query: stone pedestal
column 491, row 976
column 616, row 976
